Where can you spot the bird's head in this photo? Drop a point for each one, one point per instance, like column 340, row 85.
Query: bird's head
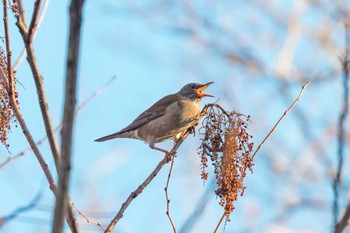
column 195, row 90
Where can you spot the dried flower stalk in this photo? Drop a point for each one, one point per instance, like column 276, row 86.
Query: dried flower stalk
column 227, row 143
column 6, row 113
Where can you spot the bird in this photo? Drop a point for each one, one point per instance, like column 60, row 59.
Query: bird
column 167, row 119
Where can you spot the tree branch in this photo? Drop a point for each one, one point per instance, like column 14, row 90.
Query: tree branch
column 41, row 17
column 33, row 22
column 342, row 119
column 220, row 222
column 143, row 185
column 71, row 218
column 167, row 195
column 15, row 109
column 281, row 118
column 344, row 222
column 39, row 86
column 87, row 219
column 21, row 11
column 75, row 12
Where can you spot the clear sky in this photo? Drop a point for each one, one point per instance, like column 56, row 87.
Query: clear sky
column 154, row 49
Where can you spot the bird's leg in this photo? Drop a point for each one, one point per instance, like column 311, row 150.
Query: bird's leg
column 168, row 154
column 192, row 129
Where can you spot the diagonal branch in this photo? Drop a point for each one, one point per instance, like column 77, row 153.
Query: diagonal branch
column 281, row 118
column 344, row 221
column 62, row 201
column 87, row 219
column 143, row 185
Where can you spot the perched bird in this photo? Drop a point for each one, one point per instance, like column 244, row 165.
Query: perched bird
column 166, row 119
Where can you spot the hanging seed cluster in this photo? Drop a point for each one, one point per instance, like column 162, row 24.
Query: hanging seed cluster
column 226, row 142
column 6, row 113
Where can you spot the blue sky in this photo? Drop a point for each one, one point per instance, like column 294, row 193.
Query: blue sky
column 154, row 50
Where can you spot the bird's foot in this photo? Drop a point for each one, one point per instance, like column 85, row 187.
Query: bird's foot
column 169, row 157
column 192, row 130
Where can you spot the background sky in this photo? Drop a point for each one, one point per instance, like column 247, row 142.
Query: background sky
column 258, row 53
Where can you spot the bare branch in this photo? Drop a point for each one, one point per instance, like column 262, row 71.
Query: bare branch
column 34, row 21
column 21, row 11
column 342, row 119
column 344, row 222
column 143, row 185
column 71, row 218
column 86, row 218
column 219, row 223
column 75, row 12
column 40, row 88
column 41, row 17
column 281, row 118
column 14, row 106
column 167, row 195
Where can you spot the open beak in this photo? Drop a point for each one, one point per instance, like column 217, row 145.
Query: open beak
column 201, row 89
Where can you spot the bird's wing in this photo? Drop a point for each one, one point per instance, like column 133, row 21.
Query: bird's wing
column 156, row 110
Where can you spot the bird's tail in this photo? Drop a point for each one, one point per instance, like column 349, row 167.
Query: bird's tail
column 109, row 137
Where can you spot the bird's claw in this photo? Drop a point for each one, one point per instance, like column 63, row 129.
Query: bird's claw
column 192, row 130
column 170, row 156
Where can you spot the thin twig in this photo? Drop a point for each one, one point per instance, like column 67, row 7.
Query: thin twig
column 34, row 21
column 207, row 106
column 75, row 12
column 167, row 195
column 77, row 111
column 281, row 118
column 219, row 223
column 86, row 218
column 41, row 17
column 341, row 130
column 143, row 185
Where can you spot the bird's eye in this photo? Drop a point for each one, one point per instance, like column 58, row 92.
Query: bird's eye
column 193, row 87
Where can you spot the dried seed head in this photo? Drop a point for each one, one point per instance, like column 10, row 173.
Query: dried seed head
column 227, row 143
column 6, row 113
